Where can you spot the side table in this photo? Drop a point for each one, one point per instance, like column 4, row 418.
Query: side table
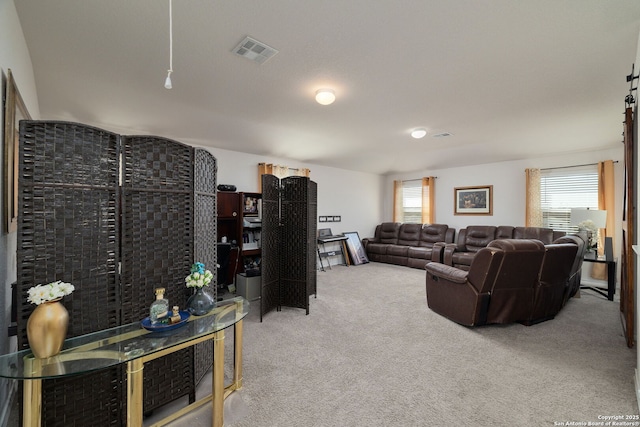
column 610, row 261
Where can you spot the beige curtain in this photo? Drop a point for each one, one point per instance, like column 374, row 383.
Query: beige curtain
column 428, row 200
column 397, row 201
column 606, row 201
column 279, row 171
column 533, row 208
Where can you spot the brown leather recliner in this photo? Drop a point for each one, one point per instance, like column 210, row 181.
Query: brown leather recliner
column 408, row 235
column 499, row 286
column 425, row 251
column 575, row 276
column 470, row 241
column 407, row 244
column 474, row 237
column 386, row 234
column 552, row 287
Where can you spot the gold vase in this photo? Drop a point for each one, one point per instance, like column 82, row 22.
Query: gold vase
column 47, row 328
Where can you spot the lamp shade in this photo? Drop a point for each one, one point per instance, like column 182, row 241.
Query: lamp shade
column 325, row 96
column 599, row 217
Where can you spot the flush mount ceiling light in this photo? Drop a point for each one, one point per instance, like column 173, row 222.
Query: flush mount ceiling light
column 325, row 96
column 418, row 133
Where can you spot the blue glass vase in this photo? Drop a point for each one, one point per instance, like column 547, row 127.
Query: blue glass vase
column 200, row 303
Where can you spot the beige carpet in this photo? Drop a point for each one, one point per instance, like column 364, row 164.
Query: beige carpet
column 371, row 353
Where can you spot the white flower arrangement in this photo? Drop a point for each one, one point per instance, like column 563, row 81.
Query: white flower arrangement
column 590, row 227
column 49, row 292
column 199, row 277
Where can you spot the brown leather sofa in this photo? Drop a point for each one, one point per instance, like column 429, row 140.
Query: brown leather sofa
column 509, row 280
column 553, row 283
column 575, row 276
column 406, row 244
column 475, row 237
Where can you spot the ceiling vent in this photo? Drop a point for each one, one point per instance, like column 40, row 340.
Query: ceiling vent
column 254, row 50
column 442, row 135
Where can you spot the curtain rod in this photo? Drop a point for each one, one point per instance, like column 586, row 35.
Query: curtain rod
column 574, row 166
column 416, row 179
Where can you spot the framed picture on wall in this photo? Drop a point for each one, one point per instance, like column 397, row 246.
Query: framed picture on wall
column 473, row 200
column 14, row 111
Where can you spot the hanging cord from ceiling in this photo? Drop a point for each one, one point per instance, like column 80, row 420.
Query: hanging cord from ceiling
column 167, row 82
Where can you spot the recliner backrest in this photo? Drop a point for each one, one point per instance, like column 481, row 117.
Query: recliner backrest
column 389, row 232
column 575, row 275
column 504, row 232
column 484, row 268
column 409, row 234
column 478, row 237
column 433, row 233
column 545, row 235
column 512, row 294
column 522, row 263
column 558, row 262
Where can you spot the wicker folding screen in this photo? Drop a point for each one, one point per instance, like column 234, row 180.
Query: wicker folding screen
column 205, row 249
column 157, row 249
column 298, row 217
column 77, row 223
column 68, row 230
column 289, row 210
column 270, row 274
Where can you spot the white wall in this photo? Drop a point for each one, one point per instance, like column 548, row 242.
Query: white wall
column 14, row 55
column 508, row 180
column 355, row 196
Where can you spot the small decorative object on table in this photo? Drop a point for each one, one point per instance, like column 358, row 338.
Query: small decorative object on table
column 47, row 325
column 159, row 309
column 200, row 303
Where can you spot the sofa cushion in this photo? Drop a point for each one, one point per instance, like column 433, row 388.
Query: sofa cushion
column 377, row 248
column 398, row 250
column 462, row 259
column 420, row 252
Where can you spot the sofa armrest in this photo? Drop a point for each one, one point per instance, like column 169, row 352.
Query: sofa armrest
column 368, row 240
column 446, row 272
column 447, row 254
column 437, row 252
column 450, row 235
column 461, row 240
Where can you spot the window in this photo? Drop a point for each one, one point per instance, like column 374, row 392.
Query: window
column 564, row 188
column 411, row 202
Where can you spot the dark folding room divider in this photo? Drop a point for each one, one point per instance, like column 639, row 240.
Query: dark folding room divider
column 205, row 248
column 67, row 230
column 80, row 222
column 289, row 210
column 157, row 249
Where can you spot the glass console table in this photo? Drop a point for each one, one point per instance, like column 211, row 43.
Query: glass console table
column 133, row 345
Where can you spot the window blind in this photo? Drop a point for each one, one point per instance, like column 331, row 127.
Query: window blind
column 412, row 201
column 565, row 188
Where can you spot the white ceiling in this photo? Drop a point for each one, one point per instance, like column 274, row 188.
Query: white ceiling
column 509, row 79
